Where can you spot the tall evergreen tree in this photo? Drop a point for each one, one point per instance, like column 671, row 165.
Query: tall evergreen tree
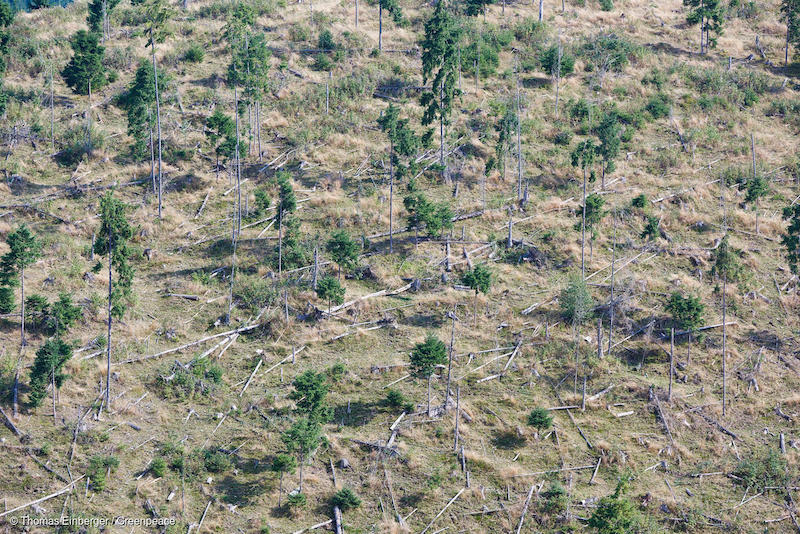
column 440, row 67
column 302, row 438
column 6, row 18
column 393, row 7
column 47, row 369
column 25, row 249
column 112, row 240
column 85, row 71
column 583, row 157
column 790, row 14
column 425, row 357
column 220, row 130
column 403, row 144
column 99, row 16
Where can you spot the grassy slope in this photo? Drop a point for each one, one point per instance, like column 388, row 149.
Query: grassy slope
column 429, row 475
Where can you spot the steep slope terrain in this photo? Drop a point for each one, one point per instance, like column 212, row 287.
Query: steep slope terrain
column 695, row 156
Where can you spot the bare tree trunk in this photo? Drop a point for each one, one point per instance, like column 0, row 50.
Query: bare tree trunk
column 541, row 10
column 153, row 154
column 611, row 304
column 302, row 461
column 671, row 361
column 22, row 341
column 441, row 131
column 52, row 115
column 519, row 143
column 53, row 387
column 316, row 269
column 356, row 13
column 391, row 197
column 450, row 357
column 158, row 120
column 724, row 347
column 430, row 376
column 583, row 228
column 280, row 243
column 380, row 27
column 89, row 121
column 108, row 333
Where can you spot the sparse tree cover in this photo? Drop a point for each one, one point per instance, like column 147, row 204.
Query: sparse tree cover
column 320, row 399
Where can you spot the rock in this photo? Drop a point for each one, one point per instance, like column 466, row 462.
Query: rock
column 343, row 463
column 88, row 277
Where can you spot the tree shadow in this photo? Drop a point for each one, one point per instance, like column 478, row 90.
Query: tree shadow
column 241, row 493
column 423, row 320
column 360, row 413
column 508, row 439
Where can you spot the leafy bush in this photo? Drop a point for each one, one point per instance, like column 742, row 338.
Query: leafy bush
column 253, row 293
column 616, row 514
column 606, row 5
column 194, row 54
column 158, row 467
column 549, row 61
column 639, row 201
column 296, row 500
column 98, row 467
column 395, row 399
column 563, row 138
column 687, row 312
column 215, row 461
column 540, row 419
column 764, row 471
column 659, row 106
column 554, row 499
column 345, row 499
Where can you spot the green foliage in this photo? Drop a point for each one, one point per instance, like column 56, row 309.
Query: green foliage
column 427, row 355
column 253, row 293
column 216, row 461
column 575, row 301
column 98, row 467
column 7, row 303
column 616, row 514
column 303, row 437
column 343, row 249
column 47, row 368
column 607, row 5
column 296, row 500
column 540, row 419
column 725, row 260
column 594, row 212
column 85, row 69
column 790, row 240
column 556, row 62
column 345, row 499
column 194, row 54
column 439, row 64
column 63, row 314
column 158, row 467
column 336, row 371
column 395, row 399
column 112, row 240
column 24, row 250
column 479, row 278
column 607, row 52
column 687, row 312
column 403, row 141
column 757, row 187
column 139, row 102
column 659, row 106
column 310, row 396
column 283, row 464
column 650, row 230
column 765, row 470
column 434, row 217
column 554, row 500
column 329, row 289
column 709, row 14
column 639, row 201
column 37, row 310
column 790, row 15
column 200, row 376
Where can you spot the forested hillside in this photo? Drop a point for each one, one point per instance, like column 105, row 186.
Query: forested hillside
column 461, row 266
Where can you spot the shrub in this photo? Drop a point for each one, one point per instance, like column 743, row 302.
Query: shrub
column 299, row 33
column 606, row 5
column 158, row 467
column 345, row 499
column 98, row 467
column 194, row 54
column 550, row 63
column 540, row 419
column 659, row 106
column 639, row 201
column 687, row 312
column 7, row 303
column 554, row 500
column 395, row 399
column 253, row 293
column 615, row 514
column 296, row 500
column 216, row 461
column 763, row 471
column 650, row 230
column 563, row 138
